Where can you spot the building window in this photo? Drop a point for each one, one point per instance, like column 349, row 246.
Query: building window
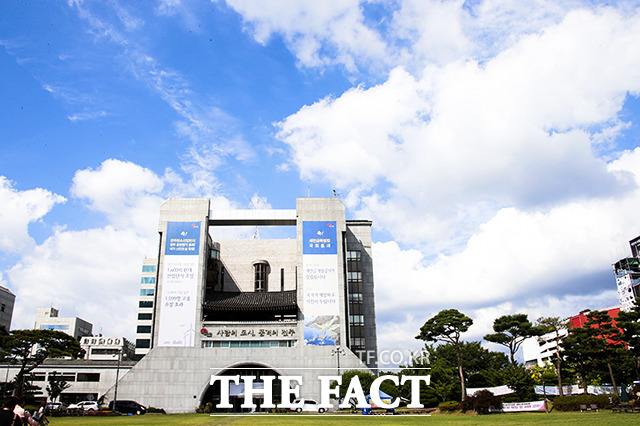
column 148, row 280
column 145, row 316
column 88, row 377
column 143, row 343
column 102, row 351
column 261, row 274
column 281, row 280
column 146, row 304
column 144, row 329
column 357, row 342
column 2, row 308
column 147, row 292
column 148, row 268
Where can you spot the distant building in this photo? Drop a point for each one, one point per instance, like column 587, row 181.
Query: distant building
column 107, row 348
column 7, row 300
column 48, row 319
column 144, row 330
column 542, row 350
column 627, row 272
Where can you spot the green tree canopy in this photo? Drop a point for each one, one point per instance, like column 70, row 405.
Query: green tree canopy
column 629, row 323
column 29, row 349
column 511, row 330
column 447, row 326
column 482, row 368
column 606, row 338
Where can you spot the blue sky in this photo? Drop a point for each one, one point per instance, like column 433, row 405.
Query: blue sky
column 493, row 143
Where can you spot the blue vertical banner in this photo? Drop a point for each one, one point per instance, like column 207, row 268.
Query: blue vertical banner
column 320, row 283
column 180, row 275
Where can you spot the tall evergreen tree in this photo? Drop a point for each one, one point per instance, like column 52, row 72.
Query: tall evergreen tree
column 511, row 330
column 629, row 323
column 447, row 326
column 605, row 337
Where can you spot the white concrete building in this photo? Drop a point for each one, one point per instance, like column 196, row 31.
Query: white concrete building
column 107, row 348
column 274, row 307
column 542, row 350
column 88, row 380
column 48, row 319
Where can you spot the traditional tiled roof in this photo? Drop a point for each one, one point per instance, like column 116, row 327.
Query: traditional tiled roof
column 252, row 301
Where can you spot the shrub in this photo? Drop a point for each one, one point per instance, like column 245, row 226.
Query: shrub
column 449, row 406
column 208, row 407
column 481, row 402
column 573, row 402
column 156, row 410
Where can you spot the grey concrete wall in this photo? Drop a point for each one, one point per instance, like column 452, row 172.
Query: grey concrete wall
column 237, row 257
column 176, row 379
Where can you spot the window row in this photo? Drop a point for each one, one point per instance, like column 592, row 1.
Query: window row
column 54, row 327
column 67, row 377
column 148, row 280
column 356, row 320
column 357, row 342
column 147, row 291
column 148, row 268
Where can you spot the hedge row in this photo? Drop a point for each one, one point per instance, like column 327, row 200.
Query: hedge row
column 573, row 402
column 449, row 406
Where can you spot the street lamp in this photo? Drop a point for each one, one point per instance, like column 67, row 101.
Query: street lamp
column 337, row 352
column 115, row 393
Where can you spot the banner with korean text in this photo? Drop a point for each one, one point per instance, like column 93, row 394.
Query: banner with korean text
column 320, row 283
column 179, row 285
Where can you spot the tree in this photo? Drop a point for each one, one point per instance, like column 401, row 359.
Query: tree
column 579, row 354
column 29, row 349
column 56, row 385
column 511, row 330
column 518, row 378
column 629, row 323
column 481, row 367
column 606, row 338
column 447, row 326
column 555, row 325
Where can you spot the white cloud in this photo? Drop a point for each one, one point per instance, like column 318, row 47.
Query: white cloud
column 435, row 156
column 18, row 209
column 126, row 193
column 319, row 33
column 93, row 274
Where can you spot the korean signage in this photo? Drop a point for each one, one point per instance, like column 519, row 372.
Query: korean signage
column 179, row 285
column 240, row 333
column 320, row 283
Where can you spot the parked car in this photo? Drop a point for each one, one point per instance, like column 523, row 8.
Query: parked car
column 308, row 405
column 128, row 407
column 85, row 405
column 55, row 406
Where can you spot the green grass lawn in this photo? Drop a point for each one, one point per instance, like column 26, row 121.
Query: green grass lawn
column 558, row 418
